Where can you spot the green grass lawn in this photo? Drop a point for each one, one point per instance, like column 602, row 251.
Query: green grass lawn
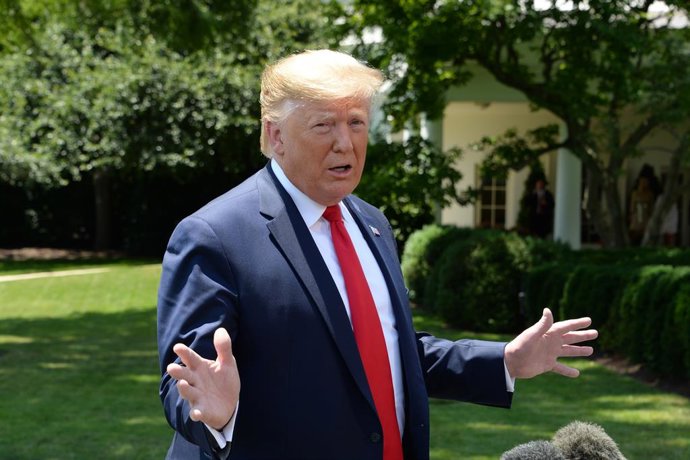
column 79, row 380
column 646, row 423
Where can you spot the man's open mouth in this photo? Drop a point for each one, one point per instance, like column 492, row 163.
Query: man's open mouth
column 341, row 168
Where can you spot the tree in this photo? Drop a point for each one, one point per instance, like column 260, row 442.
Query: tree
column 615, row 72
column 409, row 181
column 101, row 88
column 86, row 113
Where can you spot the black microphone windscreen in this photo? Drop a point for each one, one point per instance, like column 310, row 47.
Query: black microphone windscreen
column 586, row 441
column 533, row 450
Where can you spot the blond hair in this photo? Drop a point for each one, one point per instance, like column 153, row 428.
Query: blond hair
column 312, row 76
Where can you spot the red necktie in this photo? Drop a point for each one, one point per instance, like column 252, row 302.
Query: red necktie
column 368, row 334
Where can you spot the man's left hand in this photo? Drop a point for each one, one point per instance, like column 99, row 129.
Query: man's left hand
column 537, row 349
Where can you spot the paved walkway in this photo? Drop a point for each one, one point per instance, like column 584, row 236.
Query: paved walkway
column 31, row 276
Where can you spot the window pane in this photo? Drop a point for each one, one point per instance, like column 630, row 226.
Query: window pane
column 486, row 218
column 500, row 216
column 500, row 197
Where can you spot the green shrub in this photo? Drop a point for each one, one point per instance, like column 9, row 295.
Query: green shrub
column 639, row 299
column 640, row 311
column 663, row 344
column 681, row 318
column 633, row 256
column 473, row 277
column 476, row 283
column 449, row 274
column 543, row 287
column 594, row 291
column 422, row 250
column 651, row 330
column 547, row 251
column 632, row 313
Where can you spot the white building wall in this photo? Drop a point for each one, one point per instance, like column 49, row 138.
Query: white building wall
column 465, row 123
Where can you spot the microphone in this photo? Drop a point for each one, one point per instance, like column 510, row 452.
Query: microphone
column 586, row 441
column 534, row 450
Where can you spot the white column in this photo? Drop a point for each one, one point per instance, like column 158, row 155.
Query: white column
column 432, row 130
column 568, row 192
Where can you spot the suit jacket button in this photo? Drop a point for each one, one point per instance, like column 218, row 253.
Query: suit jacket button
column 375, row 437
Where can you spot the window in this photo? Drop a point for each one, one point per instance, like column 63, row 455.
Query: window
column 491, row 207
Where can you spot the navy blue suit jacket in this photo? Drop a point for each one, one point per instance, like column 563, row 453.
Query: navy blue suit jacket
column 247, row 262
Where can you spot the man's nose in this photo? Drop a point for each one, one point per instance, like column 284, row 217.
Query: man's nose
column 342, row 141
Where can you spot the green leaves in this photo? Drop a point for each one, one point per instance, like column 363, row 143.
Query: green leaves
column 614, row 72
column 124, row 111
column 408, row 181
column 136, row 86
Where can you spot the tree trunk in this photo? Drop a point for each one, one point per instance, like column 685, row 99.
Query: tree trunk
column 602, row 190
column 672, row 191
column 101, row 188
column 593, row 205
column 616, row 216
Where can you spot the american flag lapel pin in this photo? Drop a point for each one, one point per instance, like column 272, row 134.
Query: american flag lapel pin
column 375, row 230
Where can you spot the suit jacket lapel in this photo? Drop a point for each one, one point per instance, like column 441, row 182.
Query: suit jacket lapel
column 293, row 239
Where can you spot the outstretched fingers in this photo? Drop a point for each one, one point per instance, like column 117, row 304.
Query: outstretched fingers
column 186, row 372
column 565, row 371
column 189, row 357
column 580, row 336
column 570, row 351
column 569, row 325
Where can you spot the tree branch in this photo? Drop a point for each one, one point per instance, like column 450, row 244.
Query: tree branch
column 642, row 130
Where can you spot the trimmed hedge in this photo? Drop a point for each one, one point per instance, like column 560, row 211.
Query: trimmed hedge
column 594, row 290
column 633, row 256
column 649, row 326
column 543, row 287
column 641, row 311
column 422, row 250
column 472, row 277
column 638, row 299
column 477, row 284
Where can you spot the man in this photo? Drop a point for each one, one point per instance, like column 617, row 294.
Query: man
column 291, row 285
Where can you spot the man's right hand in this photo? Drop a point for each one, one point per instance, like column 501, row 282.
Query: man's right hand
column 211, row 387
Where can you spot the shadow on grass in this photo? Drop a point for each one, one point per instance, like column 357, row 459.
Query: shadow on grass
column 83, row 386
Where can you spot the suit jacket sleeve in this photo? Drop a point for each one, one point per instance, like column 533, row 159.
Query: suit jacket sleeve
column 196, row 296
column 464, row 370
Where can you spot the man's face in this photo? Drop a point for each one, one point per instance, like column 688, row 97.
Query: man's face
column 322, row 147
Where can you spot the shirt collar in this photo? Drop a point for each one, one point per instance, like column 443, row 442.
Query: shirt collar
column 310, row 210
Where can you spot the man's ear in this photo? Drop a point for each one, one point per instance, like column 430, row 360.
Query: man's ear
column 274, row 135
